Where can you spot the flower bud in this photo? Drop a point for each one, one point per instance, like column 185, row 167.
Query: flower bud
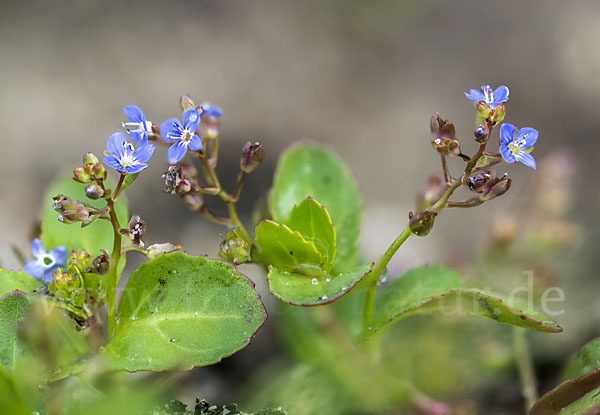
column 479, row 180
column 80, row 175
column 488, row 185
column 481, row 134
column 234, row 248
column 499, row 188
column 499, row 113
column 156, row 250
column 483, row 111
column 80, row 258
column 447, row 146
column 70, row 212
column 64, row 282
column 137, row 228
column 432, row 192
column 421, row 223
column 90, row 158
column 186, row 103
column 99, row 171
column 252, row 156
column 101, row 263
column 94, row 191
column 182, row 187
column 440, row 127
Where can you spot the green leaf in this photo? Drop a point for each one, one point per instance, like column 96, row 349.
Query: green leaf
column 433, row 288
column 311, row 170
column 313, row 222
column 288, row 250
column 586, row 360
column 584, row 387
column 303, row 290
column 179, row 311
column 13, row 309
column 11, row 281
column 588, row 404
column 93, row 238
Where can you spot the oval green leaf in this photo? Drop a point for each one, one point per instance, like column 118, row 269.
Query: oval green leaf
column 179, row 311
column 287, row 250
column 313, row 222
column 92, row 238
column 13, row 309
column 427, row 289
column 11, row 281
column 311, row 170
column 302, row 290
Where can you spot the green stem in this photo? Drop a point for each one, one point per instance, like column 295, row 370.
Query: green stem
column 525, row 365
column 112, row 277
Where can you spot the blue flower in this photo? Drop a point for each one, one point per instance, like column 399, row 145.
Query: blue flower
column 44, row 263
column 183, row 136
column 137, row 126
column 124, row 156
column 515, row 145
column 210, row 110
column 488, row 95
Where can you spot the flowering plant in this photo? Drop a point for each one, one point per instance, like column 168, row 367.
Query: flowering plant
column 179, row 311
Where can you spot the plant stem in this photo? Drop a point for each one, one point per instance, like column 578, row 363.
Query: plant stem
column 445, row 169
column 112, row 278
column 525, row 365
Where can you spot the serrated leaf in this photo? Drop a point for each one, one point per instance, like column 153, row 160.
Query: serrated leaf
column 11, row 281
column 179, row 311
column 301, row 290
column 311, row 170
column 427, row 289
column 287, row 250
column 313, row 222
column 93, row 238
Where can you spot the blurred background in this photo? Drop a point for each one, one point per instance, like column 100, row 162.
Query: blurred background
column 361, row 76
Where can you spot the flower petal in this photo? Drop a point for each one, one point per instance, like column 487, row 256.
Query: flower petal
column 210, row 110
column 507, row 155
column 34, row 268
column 143, row 153
column 527, row 159
column 134, row 114
column 60, row 255
column 115, row 143
column 529, row 135
column 501, row 94
column 191, row 119
column 176, row 152
column 475, row 95
column 507, row 134
column 47, row 275
column 195, row 143
column 112, row 162
column 37, row 248
column 135, row 168
column 138, row 137
column 170, row 130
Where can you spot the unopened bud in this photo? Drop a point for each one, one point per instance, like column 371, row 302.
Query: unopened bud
column 63, row 282
column 432, row 192
column 90, row 158
column 483, row 111
column 498, row 189
column 499, row 113
column 137, row 228
column 481, row 134
column 234, row 248
column 441, row 127
column 80, row 175
column 99, row 171
column 252, row 156
column 421, row 223
column 186, row 103
column 70, row 211
column 101, row 263
column 447, row 146
column 182, row 187
column 479, row 180
column 156, row 250
column 94, row 191
column 80, row 259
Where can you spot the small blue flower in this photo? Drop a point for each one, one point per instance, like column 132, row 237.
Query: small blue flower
column 137, row 126
column 183, row 136
column 44, row 263
column 124, row 156
column 488, row 95
column 515, row 145
column 209, row 110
